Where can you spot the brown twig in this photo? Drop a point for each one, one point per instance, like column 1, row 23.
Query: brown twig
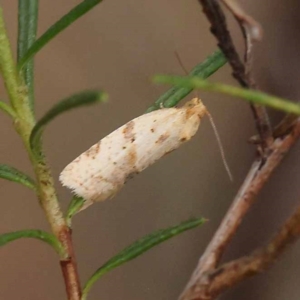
column 215, row 15
column 218, row 27
column 285, row 125
column 263, row 166
column 250, row 25
column 251, row 30
column 255, row 180
column 235, row 271
column 69, row 267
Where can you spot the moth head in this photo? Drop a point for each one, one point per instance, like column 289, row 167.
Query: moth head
column 195, row 107
column 194, row 111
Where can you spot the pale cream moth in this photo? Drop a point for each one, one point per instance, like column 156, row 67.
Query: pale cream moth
column 101, row 171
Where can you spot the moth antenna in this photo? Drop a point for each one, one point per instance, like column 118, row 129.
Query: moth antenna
column 211, row 120
column 181, row 63
column 213, row 125
column 183, row 67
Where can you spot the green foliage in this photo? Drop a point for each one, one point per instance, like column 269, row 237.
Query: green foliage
column 32, row 233
column 138, row 248
column 246, row 94
column 74, row 206
column 27, row 27
column 12, row 174
column 68, row 19
column 74, row 101
column 203, row 70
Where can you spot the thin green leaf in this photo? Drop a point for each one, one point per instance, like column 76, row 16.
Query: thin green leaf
column 74, row 101
column 33, row 233
column 246, row 94
column 58, row 27
column 203, row 70
column 138, row 248
column 7, row 109
column 12, row 174
column 27, row 27
column 74, row 206
column 7, row 65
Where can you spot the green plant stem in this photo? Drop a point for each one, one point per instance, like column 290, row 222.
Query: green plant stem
column 15, row 89
column 51, row 207
column 46, row 192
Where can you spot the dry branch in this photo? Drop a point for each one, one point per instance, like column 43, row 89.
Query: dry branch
column 251, row 30
column 237, row 270
column 258, row 175
column 216, row 17
column 209, row 280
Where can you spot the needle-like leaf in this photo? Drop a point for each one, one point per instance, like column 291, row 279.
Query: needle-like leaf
column 246, row 94
column 33, row 233
column 74, row 14
column 12, row 174
column 138, row 248
column 75, row 205
column 27, row 27
column 203, row 70
column 77, row 100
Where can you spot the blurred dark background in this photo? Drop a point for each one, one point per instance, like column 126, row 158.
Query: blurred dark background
column 118, row 47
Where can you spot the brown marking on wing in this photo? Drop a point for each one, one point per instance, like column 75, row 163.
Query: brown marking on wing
column 162, row 138
column 93, row 151
column 128, row 131
column 130, row 176
column 83, row 186
column 98, row 146
column 130, row 166
column 99, row 177
column 78, row 159
column 132, row 157
column 189, row 113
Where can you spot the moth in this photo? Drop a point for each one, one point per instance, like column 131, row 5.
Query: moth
column 101, row 171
